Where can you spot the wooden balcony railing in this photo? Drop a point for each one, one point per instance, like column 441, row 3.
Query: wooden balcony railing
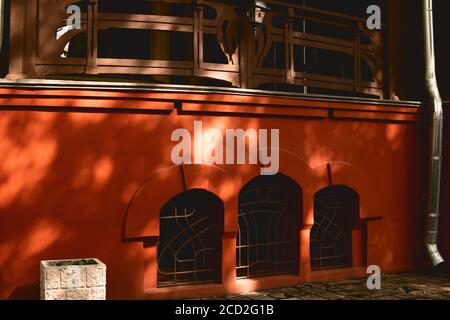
column 197, row 42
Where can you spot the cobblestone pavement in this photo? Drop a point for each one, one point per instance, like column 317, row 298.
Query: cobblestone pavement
column 410, row 286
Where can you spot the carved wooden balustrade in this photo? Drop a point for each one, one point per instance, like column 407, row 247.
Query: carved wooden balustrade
column 296, row 48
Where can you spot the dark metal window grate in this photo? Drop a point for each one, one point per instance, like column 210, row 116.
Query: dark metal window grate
column 331, row 236
column 267, row 241
column 189, row 248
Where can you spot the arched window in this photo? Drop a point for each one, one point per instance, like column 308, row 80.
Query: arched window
column 269, row 215
column 189, row 248
column 335, row 213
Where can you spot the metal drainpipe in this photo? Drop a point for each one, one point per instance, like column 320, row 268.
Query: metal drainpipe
column 433, row 103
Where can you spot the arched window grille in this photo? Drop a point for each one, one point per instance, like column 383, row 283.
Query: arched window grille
column 335, row 213
column 269, row 215
column 189, row 248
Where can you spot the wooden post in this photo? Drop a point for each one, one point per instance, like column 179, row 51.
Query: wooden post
column 17, row 40
column 357, row 58
column 160, row 41
column 92, row 31
column 289, row 47
column 198, row 37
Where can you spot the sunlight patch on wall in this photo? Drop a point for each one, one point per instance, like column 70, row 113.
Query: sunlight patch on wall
column 29, row 148
column 41, row 237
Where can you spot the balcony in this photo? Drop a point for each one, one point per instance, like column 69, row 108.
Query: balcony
column 296, row 49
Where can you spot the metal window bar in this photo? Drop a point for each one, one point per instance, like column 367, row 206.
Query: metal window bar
column 331, row 234
column 190, row 241
column 267, row 240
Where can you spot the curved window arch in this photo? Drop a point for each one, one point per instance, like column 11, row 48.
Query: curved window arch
column 269, row 215
column 189, row 247
column 336, row 210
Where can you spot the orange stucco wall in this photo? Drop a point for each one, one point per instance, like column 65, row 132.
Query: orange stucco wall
column 84, row 174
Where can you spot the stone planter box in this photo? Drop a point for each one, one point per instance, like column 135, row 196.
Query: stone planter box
column 80, row 279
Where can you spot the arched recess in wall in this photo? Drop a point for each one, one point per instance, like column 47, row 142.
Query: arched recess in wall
column 190, row 241
column 269, row 220
column 336, row 211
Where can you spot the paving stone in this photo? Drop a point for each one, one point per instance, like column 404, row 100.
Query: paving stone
column 295, row 290
column 250, row 294
column 389, row 298
column 315, row 297
column 266, row 298
column 279, row 295
column 237, row 297
column 406, row 286
column 331, row 296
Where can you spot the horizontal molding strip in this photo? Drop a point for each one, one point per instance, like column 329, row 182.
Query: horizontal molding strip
column 386, row 116
column 207, row 103
column 269, row 110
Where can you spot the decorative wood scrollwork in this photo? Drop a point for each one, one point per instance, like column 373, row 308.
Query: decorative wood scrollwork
column 208, row 39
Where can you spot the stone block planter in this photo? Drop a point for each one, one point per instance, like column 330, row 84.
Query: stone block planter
column 81, row 279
